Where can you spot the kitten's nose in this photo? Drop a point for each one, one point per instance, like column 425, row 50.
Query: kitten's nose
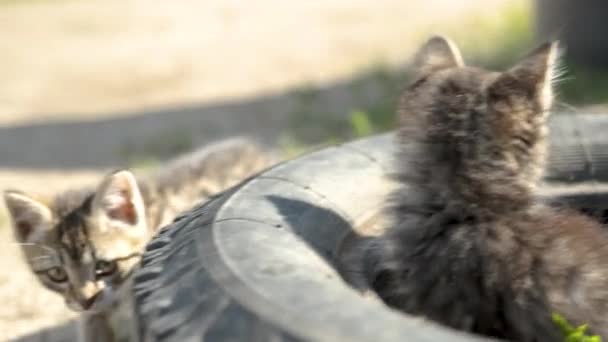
column 88, row 302
column 88, row 294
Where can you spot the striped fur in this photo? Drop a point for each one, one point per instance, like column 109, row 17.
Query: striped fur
column 85, row 243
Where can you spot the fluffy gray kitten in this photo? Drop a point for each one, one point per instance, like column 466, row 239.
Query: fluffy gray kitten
column 469, row 244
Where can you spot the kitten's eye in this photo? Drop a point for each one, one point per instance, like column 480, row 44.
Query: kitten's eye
column 104, row 268
column 57, row 274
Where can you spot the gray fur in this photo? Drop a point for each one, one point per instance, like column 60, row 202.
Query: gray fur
column 469, row 245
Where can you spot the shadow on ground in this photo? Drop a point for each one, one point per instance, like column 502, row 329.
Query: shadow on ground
column 313, row 112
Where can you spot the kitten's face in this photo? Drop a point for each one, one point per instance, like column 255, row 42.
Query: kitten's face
column 488, row 123
column 83, row 245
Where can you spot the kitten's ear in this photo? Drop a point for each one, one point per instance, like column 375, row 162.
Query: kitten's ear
column 119, row 199
column 532, row 76
column 29, row 217
column 436, row 54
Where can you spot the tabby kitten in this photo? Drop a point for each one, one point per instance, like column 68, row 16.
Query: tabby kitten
column 470, row 246
column 84, row 244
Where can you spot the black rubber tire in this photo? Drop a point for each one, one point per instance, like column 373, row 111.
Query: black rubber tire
column 257, row 263
column 579, row 148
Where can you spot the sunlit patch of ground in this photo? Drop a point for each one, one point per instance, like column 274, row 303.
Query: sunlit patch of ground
column 81, row 58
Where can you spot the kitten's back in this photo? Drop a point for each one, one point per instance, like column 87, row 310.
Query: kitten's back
column 195, row 176
column 469, row 245
column 226, row 161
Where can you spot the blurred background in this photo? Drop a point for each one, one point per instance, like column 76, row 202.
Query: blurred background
column 87, row 86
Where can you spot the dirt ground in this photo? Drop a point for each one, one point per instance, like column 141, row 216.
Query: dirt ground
column 81, row 81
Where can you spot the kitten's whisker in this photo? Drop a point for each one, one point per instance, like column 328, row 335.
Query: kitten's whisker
column 560, row 74
column 41, row 246
column 22, row 243
column 566, row 106
column 42, row 257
